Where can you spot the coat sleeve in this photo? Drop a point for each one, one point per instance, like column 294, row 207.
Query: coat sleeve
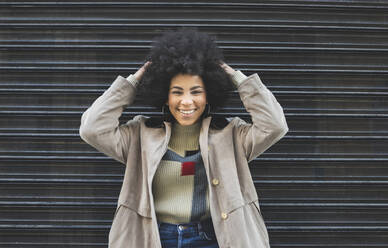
column 100, row 122
column 268, row 121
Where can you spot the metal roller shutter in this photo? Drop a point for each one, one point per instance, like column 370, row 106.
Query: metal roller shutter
column 323, row 185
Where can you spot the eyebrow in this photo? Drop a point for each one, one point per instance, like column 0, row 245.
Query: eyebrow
column 179, row 88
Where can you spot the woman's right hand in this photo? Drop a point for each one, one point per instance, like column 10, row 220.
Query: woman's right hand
column 139, row 74
column 229, row 70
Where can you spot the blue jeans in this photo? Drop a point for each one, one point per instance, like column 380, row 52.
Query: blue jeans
column 188, row 235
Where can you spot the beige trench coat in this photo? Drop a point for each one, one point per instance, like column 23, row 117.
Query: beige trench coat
column 234, row 205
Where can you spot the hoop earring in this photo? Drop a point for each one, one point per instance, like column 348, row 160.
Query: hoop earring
column 165, row 114
column 208, row 109
column 163, row 109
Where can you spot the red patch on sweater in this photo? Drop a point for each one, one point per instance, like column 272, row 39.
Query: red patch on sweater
column 188, row 168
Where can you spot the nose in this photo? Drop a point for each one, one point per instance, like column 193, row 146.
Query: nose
column 186, row 100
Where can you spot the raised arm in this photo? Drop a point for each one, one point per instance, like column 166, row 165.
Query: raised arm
column 100, row 122
column 268, row 121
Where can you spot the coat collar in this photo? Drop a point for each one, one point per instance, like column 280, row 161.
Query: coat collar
column 215, row 122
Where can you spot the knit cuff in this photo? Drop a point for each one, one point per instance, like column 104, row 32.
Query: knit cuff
column 238, row 77
column 132, row 79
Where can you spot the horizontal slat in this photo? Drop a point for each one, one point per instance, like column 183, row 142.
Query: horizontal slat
column 307, row 4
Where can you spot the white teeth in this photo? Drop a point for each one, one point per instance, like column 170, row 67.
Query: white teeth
column 187, row 112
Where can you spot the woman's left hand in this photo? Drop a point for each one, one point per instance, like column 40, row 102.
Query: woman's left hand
column 229, row 70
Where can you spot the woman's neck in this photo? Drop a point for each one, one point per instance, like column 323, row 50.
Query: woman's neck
column 184, row 138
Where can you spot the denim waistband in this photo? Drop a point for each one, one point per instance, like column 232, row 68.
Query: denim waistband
column 198, row 226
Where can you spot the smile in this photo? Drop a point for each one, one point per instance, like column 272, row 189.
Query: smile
column 187, row 112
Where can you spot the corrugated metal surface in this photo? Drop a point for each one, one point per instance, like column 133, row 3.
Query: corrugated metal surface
column 323, row 185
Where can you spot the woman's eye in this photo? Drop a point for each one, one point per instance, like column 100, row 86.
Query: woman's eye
column 193, row 92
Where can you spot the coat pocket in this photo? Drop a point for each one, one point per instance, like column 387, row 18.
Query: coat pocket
column 116, row 211
column 260, row 220
column 131, row 229
column 245, row 227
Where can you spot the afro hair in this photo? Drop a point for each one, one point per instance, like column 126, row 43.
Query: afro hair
column 186, row 51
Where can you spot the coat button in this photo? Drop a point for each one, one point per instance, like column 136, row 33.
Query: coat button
column 182, row 227
column 224, row 216
column 215, row 181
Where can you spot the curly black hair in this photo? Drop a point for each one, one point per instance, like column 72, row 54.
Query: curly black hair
column 185, row 51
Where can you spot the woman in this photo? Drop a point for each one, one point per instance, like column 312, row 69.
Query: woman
column 187, row 182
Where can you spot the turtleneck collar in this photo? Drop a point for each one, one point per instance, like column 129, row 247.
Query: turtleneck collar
column 179, row 129
column 184, row 138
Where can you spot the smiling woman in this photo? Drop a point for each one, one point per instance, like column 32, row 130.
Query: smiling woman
column 187, row 181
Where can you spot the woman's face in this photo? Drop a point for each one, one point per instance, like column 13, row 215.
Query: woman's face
column 186, row 98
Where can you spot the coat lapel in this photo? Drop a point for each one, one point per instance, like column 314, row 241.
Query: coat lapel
column 203, row 142
column 155, row 142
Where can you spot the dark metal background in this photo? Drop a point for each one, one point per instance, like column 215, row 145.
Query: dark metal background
column 323, row 185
